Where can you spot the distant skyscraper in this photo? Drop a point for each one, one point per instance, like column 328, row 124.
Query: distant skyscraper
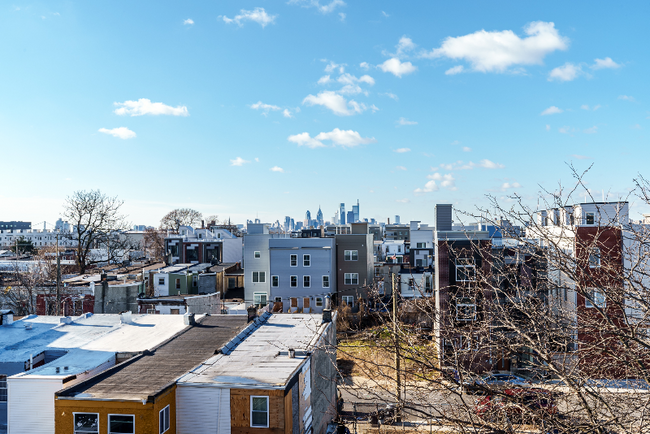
column 397, row 220
column 355, row 212
column 307, row 221
column 287, row 223
column 335, row 219
column 342, row 214
column 350, row 216
column 319, row 217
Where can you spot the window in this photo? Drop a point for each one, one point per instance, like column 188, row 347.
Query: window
column 351, row 255
column 306, row 260
column 595, row 298
column 594, row 257
column 163, row 418
column 589, row 218
column 326, row 281
column 259, row 298
column 259, row 276
column 293, row 260
column 259, row 411
column 418, row 262
column 465, row 310
column 351, row 278
column 121, row 424
column 178, row 283
column 421, row 245
column 306, row 281
column 231, row 282
column 161, row 281
column 319, row 301
column 195, row 281
column 465, row 271
column 3, row 388
column 278, row 299
column 294, row 281
column 275, row 281
column 175, row 311
column 86, row 423
column 348, row 299
column 428, row 284
column 257, row 255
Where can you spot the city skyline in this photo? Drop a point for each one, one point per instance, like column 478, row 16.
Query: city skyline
column 235, row 108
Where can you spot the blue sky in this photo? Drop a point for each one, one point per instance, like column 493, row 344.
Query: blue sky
column 264, row 109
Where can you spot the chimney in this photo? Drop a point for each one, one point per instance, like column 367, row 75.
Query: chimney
column 388, row 220
column 292, row 353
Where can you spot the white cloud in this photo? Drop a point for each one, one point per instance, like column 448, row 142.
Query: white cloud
column 341, row 16
column 455, row 142
column 277, row 169
column 324, row 79
column 188, row 21
column 565, row 130
column 566, row 72
column 404, row 121
column 257, row 15
column 364, row 65
column 487, row 164
column 592, row 130
column 264, row 107
column 627, row 98
column 347, row 78
column 548, row 127
column 551, row 111
column 397, row 68
column 467, row 149
column 636, row 127
column 404, row 45
column 322, row 8
column 496, row 51
column 596, row 107
column 403, row 200
column 144, row 106
column 580, row 157
column 287, row 113
column 344, row 138
column 459, row 165
column 584, row 107
column 607, row 62
column 239, row 161
column 507, row 185
column 402, row 150
column 390, row 95
column 257, row 160
column 331, row 67
column 385, row 14
column 455, row 70
column 428, row 187
column 121, row 132
column 400, row 168
column 335, row 102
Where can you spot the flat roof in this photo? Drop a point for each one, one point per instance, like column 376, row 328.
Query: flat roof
column 262, row 359
column 150, row 373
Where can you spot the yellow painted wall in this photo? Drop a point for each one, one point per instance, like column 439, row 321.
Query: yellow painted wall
column 146, row 416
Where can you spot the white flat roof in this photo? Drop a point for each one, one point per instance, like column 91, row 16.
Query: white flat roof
column 262, row 359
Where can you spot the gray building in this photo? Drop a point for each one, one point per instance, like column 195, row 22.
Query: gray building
column 303, row 272
column 355, row 264
column 257, row 266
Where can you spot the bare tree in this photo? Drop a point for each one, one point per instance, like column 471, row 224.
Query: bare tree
column 26, row 280
column 562, row 301
column 212, row 220
column 97, row 223
column 174, row 219
column 154, row 244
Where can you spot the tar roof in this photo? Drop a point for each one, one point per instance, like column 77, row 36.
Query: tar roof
column 262, row 359
column 152, row 372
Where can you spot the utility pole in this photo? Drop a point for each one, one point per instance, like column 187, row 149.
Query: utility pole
column 58, row 278
column 397, row 361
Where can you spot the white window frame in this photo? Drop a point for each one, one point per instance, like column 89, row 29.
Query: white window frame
column 319, row 301
column 164, row 420
column 420, row 245
column 161, row 281
column 598, row 298
column 326, row 281
column 257, row 298
column 350, row 255
column 267, row 411
column 353, row 278
column 275, row 281
column 348, row 299
column 74, row 428
column 594, row 257
column 306, row 279
column 108, row 427
column 293, row 279
column 593, row 218
column 259, row 276
column 257, row 254
column 293, row 260
column 470, row 264
column 466, row 304
column 306, row 260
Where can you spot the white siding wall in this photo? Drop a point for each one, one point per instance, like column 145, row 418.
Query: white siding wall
column 202, row 410
column 31, row 405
